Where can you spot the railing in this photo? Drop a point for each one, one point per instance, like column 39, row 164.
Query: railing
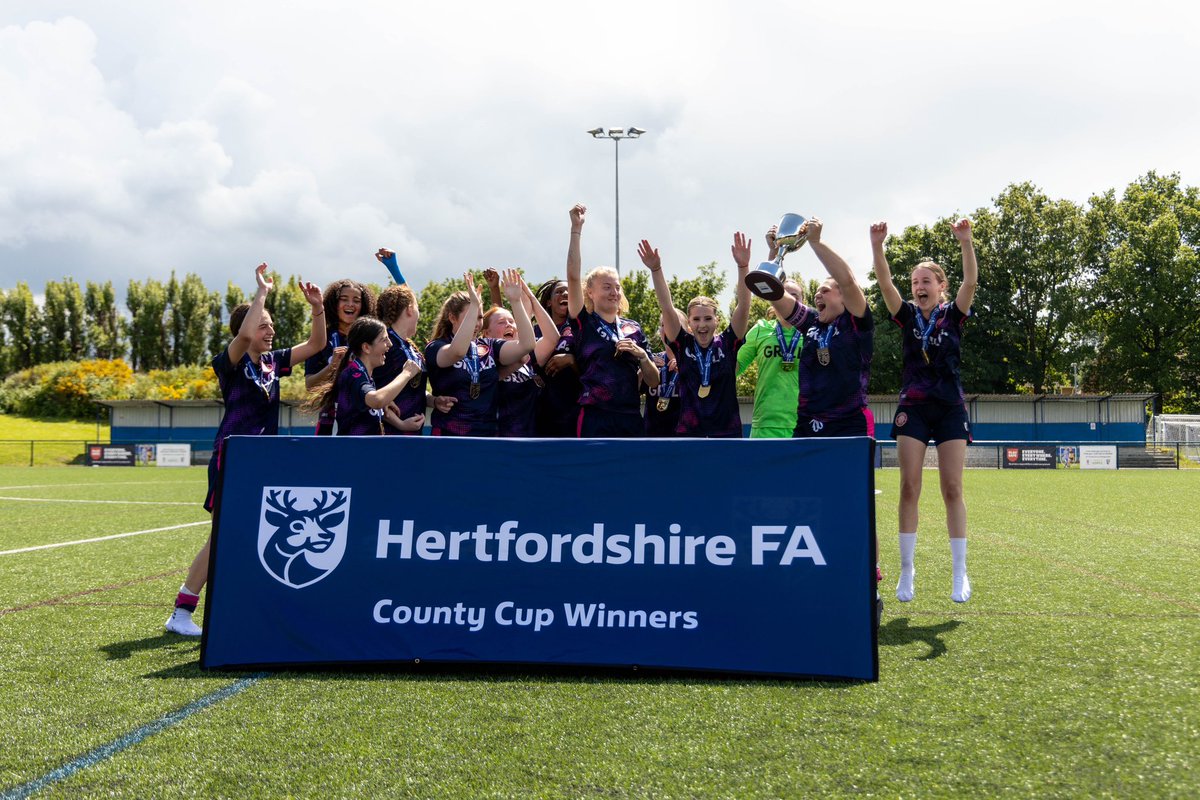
column 988, row 455
column 41, row 452
column 991, row 454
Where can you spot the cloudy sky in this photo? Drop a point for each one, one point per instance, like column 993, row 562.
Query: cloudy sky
column 141, row 137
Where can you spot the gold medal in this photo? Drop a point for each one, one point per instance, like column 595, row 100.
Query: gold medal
column 925, row 355
column 788, row 366
column 703, row 392
column 823, row 356
column 662, row 403
column 474, row 391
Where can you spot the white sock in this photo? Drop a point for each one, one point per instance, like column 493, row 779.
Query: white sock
column 958, row 552
column 960, row 589
column 904, row 587
column 908, row 545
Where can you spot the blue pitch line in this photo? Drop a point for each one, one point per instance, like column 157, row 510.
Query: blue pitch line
column 109, row 750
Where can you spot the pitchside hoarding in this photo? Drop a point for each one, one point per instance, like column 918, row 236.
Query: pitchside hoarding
column 1030, row 456
column 717, row 555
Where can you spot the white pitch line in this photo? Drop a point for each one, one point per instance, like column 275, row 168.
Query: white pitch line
column 110, row 502
column 102, row 538
column 111, row 483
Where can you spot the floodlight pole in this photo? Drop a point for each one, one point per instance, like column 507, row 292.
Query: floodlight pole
column 617, row 134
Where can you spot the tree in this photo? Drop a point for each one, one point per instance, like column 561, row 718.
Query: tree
column 188, row 313
column 146, row 328
column 63, row 322
column 1146, row 323
column 22, row 319
column 289, row 311
column 430, row 302
column 1036, row 260
column 103, row 321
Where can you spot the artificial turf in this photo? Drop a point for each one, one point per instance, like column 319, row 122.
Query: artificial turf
column 1071, row 672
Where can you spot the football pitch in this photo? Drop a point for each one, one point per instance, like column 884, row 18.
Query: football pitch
column 1074, row 671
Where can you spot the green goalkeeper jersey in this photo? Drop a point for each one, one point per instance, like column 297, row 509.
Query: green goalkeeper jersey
column 777, row 393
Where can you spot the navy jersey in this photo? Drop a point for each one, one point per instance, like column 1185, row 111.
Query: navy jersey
column 558, row 402
column 315, row 363
column 608, row 382
column 662, row 423
column 251, row 393
column 939, row 380
column 411, row 400
column 354, row 416
column 516, row 399
column 836, row 386
column 717, row 414
column 470, row 416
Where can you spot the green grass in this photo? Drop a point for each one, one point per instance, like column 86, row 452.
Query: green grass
column 1071, row 673
column 54, row 441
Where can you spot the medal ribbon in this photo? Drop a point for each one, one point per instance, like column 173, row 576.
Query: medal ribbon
column 823, row 340
column 614, row 330
column 261, row 379
column 788, row 350
column 666, row 386
column 704, row 360
column 926, row 329
column 471, row 362
column 409, row 351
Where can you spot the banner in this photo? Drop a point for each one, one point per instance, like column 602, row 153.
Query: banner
column 109, row 455
column 1030, row 456
column 1097, row 456
column 746, row 556
column 174, row 455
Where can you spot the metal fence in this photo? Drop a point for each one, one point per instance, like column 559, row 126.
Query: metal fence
column 41, row 452
column 991, row 455
column 980, row 455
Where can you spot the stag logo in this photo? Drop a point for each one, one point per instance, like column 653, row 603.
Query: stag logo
column 302, row 532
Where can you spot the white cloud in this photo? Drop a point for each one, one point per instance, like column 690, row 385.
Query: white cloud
column 209, row 137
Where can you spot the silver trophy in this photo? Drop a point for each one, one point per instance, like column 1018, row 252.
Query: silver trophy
column 766, row 280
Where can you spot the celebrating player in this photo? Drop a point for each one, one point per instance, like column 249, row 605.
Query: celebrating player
column 344, row 301
column 611, row 351
column 359, row 404
column 707, row 359
column 932, row 406
column 248, row 372
column 467, row 367
column 520, row 384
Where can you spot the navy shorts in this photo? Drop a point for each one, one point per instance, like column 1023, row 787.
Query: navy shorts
column 215, row 466
column 932, row 422
column 859, row 423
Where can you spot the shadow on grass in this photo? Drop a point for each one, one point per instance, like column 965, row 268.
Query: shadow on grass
column 900, row 632
column 508, row 673
column 122, row 650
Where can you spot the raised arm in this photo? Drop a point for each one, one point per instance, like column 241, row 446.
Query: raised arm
column 883, row 271
column 662, row 291
column 545, row 345
column 966, row 292
column 382, row 398
column 495, row 298
column 245, row 335
column 388, row 259
column 466, row 329
column 839, row 270
column 316, row 337
column 741, row 310
column 575, row 263
column 513, row 352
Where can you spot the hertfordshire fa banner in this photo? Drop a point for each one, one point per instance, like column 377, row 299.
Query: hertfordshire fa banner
column 750, row 556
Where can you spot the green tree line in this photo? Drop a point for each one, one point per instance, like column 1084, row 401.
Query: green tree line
column 1106, row 292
